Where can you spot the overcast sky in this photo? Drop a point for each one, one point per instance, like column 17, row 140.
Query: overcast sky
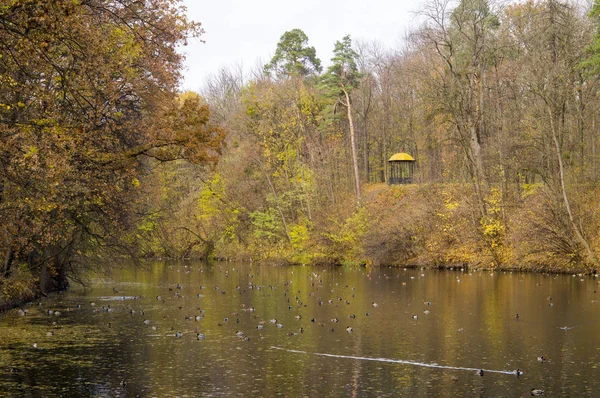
column 247, row 32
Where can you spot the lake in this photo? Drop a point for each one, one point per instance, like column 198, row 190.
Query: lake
column 306, row 331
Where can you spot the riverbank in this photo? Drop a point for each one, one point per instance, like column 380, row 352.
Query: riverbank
column 21, row 287
column 418, row 225
column 435, row 226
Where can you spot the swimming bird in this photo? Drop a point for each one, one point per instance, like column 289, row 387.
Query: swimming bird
column 517, row 372
column 537, row 392
column 541, row 358
column 279, row 325
column 415, row 316
column 349, row 329
column 178, row 335
column 200, row 336
column 480, row 372
column 566, row 327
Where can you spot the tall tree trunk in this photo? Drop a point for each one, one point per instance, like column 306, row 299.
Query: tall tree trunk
column 353, row 144
column 563, row 188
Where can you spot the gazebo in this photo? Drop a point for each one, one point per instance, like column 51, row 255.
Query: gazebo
column 401, row 168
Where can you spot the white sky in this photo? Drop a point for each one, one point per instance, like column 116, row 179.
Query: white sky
column 246, row 32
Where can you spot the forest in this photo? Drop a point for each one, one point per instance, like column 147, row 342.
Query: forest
column 103, row 158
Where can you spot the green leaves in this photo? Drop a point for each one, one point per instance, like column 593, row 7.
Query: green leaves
column 294, row 57
column 343, row 73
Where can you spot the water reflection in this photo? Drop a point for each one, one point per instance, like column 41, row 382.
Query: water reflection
column 380, row 332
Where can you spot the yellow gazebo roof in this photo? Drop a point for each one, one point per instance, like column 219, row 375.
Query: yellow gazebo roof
column 401, row 157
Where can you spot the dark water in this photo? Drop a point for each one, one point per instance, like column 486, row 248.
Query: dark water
column 471, row 324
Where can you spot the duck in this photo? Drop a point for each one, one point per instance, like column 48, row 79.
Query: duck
column 415, row 317
column 349, row 329
column 279, row 325
column 178, row 335
column 480, row 372
column 541, row 358
column 200, row 336
column 517, row 372
column 536, row 392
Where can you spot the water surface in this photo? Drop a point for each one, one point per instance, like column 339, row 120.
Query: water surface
column 344, row 332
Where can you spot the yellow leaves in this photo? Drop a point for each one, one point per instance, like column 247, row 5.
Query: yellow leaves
column 32, row 151
column 47, row 207
column 493, row 231
column 135, row 182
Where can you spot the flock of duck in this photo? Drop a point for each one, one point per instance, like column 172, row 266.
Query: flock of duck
column 292, row 299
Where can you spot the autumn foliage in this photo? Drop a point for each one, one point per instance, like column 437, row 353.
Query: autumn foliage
column 88, row 94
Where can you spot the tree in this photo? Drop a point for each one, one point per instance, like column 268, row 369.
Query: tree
column 294, row 57
column 88, row 95
column 462, row 40
column 341, row 78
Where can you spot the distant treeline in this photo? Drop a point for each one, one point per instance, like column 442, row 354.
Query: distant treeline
column 496, row 103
